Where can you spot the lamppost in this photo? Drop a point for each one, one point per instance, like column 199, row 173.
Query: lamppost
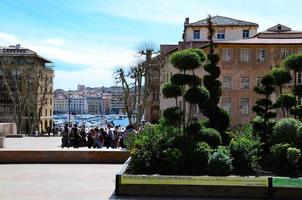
column 69, row 101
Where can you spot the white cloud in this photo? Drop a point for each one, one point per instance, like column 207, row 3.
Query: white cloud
column 54, row 41
column 98, row 62
column 8, row 39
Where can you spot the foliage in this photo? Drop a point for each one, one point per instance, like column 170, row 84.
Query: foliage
column 218, row 118
column 285, row 131
column 173, row 115
column 197, row 158
column 288, row 101
column 196, row 95
column 185, row 79
column 211, row 136
column 186, row 59
column 281, row 76
column 285, row 159
column 245, row 151
column 173, row 161
column 293, row 62
column 220, row 162
column 171, row 91
column 153, row 148
column 193, row 128
column 264, row 109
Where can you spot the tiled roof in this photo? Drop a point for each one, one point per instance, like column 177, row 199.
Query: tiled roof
column 223, row 21
column 256, row 40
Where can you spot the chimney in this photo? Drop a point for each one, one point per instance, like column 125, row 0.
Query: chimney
column 187, row 20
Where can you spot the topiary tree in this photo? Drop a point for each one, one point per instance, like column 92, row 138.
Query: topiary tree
column 287, row 101
column 281, row 77
column 218, row 118
column 263, row 123
column 185, row 84
column 294, row 62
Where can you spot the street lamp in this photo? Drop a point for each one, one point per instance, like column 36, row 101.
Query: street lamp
column 69, row 101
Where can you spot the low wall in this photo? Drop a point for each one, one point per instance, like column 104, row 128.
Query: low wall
column 207, row 186
column 8, row 128
column 63, row 156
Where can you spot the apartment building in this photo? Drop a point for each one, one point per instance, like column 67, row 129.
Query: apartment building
column 39, row 81
column 72, row 104
column 95, row 104
column 245, row 57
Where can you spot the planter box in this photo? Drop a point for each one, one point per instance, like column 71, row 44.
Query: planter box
column 2, row 142
column 207, row 186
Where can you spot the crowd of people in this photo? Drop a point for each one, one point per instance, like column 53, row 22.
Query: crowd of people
column 109, row 137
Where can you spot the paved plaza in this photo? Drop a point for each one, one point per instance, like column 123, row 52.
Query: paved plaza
column 40, row 143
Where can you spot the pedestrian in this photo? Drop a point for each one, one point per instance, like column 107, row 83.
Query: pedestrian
column 75, row 136
column 65, row 136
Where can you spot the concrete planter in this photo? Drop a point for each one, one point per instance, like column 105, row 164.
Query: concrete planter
column 2, row 142
column 207, row 186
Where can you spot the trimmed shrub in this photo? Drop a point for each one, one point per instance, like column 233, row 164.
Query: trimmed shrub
column 285, row 131
column 293, row 155
column 293, row 62
column 211, row 136
column 173, row 161
column 219, row 119
column 297, row 90
column 171, row 91
column 200, row 53
column 213, row 70
column 299, row 137
column 220, row 162
column 214, row 58
column 185, row 79
column 281, row 76
column 245, row 151
column 173, row 115
column 186, row 60
column 193, row 128
column 195, row 95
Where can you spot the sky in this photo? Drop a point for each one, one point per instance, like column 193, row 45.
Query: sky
column 87, row 40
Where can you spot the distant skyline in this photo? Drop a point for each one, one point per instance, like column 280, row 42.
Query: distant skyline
column 88, row 39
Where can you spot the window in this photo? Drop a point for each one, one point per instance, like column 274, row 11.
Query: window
column 196, row 34
column 244, row 55
column 226, row 104
column 244, row 106
column 299, row 78
column 258, row 81
column 244, row 82
column 220, row 34
column 45, row 112
column 261, row 55
column 227, row 54
column 227, row 82
column 246, row 34
column 285, row 53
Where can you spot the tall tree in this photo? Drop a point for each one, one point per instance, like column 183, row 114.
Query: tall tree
column 218, row 118
column 136, row 84
column 294, row 62
column 281, row 76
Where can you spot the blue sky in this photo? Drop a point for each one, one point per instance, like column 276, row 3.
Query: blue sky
column 88, row 39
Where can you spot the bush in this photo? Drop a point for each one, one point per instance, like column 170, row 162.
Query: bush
column 171, row 91
column 173, row 161
column 173, row 115
column 211, row 136
column 197, row 158
column 220, row 162
column 285, row 159
column 245, row 150
column 151, row 147
column 195, row 95
column 285, row 131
